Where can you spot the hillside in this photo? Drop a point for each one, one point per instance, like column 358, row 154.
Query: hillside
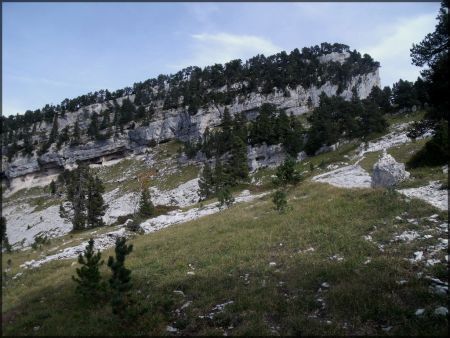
column 101, row 126
column 344, row 260
column 359, row 247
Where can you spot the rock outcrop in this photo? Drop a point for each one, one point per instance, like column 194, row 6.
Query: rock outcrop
column 168, row 124
column 265, row 156
column 387, row 172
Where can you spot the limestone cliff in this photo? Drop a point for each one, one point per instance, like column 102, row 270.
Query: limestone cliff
column 168, row 124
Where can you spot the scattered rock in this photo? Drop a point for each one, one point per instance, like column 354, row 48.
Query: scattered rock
column 171, row 329
column 419, row 312
column 441, row 311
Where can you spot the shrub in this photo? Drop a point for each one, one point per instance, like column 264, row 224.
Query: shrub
column 280, row 201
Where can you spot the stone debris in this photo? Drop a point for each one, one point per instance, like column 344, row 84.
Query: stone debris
column 171, row 329
column 430, row 193
column 337, row 258
column 418, row 255
column 387, row 172
column 107, row 240
column 24, row 224
column 101, row 243
column 407, row 236
column 310, row 249
column 395, row 138
column 441, row 311
column 216, row 309
column 184, row 195
column 419, row 312
column 352, row 176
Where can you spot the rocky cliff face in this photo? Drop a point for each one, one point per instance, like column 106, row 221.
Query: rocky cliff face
column 176, row 124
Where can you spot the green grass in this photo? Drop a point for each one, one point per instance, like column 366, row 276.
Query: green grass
column 242, row 240
column 404, row 118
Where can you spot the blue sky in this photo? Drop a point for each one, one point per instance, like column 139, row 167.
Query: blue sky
column 53, row 51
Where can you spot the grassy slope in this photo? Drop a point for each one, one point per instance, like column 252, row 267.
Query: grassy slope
column 241, row 241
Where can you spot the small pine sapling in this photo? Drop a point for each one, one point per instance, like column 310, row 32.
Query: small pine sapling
column 120, row 281
column 90, row 286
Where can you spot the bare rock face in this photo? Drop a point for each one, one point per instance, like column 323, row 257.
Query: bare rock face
column 265, row 156
column 387, row 172
column 169, row 124
column 22, row 166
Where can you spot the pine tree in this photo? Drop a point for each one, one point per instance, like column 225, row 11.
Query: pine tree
column 76, row 136
column 286, row 173
column 88, row 277
column 52, row 187
column 54, row 131
column 146, row 208
column 225, row 197
column 120, row 281
column 206, row 182
column 93, row 126
column 240, row 127
column 238, row 161
column 280, row 201
column 76, row 194
column 95, row 205
column 5, row 241
column 221, row 176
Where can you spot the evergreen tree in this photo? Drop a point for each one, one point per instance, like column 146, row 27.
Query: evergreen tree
column 5, row 241
column 280, row 201
column 54, row 131
column 27, row 145
column 433, row 52
column 146, row 208
column 95, row 205
column 52, row 187
column 225, row 197
column 93, row 126
column 127, row 111
column 206, row 182
column 88, row 279
column 238, row 161
column 63, row 137
column 221, row 176
column 293, row 141
column 404, row 95
column 106, row 123
column 140, row 113
column 76, row 136
column 282, row 127
column 120, row 281
column 286, row 173
column 240, row 127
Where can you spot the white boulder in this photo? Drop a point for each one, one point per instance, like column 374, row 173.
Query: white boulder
column 387, row 172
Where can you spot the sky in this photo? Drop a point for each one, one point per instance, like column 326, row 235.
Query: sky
column 53, row 51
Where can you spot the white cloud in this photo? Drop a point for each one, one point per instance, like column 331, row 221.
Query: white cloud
column 208, row 49
column 393, row 50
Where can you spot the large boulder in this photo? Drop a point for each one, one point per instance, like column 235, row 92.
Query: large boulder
column 387, row 172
